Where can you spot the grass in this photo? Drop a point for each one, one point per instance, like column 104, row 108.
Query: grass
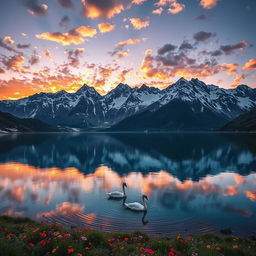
column 23, row 236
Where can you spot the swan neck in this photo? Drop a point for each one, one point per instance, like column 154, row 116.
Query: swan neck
column 124, row 190
column 144, row 204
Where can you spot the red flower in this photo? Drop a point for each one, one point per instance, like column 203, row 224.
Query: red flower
column 31, row 244
column 70, row 250
column 43, row 234
column 126, row 239
column 171, row 252
column 42, row 243
column 86, row 229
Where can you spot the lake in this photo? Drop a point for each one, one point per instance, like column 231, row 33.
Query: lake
column 195, row 182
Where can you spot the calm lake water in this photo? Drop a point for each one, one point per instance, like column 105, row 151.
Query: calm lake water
column 195, row 182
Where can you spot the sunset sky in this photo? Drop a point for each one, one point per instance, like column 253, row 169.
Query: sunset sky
column 51, row 45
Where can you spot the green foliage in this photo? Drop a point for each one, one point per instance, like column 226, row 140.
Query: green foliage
column 24, row 237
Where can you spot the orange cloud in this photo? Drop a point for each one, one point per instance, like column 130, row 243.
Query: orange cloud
column 48, row 54
column 65, row 208
column 250, row 194
column 237, row 81
column 96, row 9
column 15, row 63
column 138, row 1
column 158, row 11
column 250, row 65
column 138, row 23
column 229, row 68
column 74, row 36
column 9, row 40
column 106, row 27
column 130, row 41
column 176, row 7
column 208, row 4
column 150, row 71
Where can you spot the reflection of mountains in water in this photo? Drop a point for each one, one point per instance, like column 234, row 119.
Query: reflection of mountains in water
column 184, row 155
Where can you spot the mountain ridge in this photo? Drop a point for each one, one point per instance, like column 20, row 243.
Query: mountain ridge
column 87, row 109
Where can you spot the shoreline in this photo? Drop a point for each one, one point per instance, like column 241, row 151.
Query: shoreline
column 23, row 236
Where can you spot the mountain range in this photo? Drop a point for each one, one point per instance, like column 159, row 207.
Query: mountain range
column 10, row 123
column 185, row 105
column 244, row 122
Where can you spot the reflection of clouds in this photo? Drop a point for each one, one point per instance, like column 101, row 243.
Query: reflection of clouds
column 64, row 208
column 251, row 194
column 20, row 183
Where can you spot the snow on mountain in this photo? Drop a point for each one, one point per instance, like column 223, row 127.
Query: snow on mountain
column 86, row 108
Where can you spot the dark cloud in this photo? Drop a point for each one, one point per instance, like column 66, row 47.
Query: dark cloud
column 2, row 71
column 228, row 49
column 34, row 59
column 23, row 46
column 166, row 48
column 203, row 36
column 14, row 62
column 64, row 22
column 186, row 46
column 35, row 8
column 176, row 59
column 8, row 47
column 201, row 17
column 74, row 55
column 66, row 4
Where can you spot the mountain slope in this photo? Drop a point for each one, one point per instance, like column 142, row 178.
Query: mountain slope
column 244, row 122
column 87, row 109
column 10, row 123
column 175, row 115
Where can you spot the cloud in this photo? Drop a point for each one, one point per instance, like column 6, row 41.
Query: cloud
column 64, row 208
column 35, row 8
column 176, row 7
column 158, row 11
column 102, row 9
column 64, row 22
column 8, row 47
column 172, row 61
column 14, row 63
column 251, row 194
column 131, row 41
column 237, row 81
column 66, row 4
column 74, row 55
column 150, row 71
column 201, row 17
column 48, row 54
column 34, row 59
column 2, row 71
column 229, row 68
column 166, row 48
column 74, row 36
column 23, row 46
column 106, row 27
column 250, row 65
column 138, row 1
column 9, row 40
column 138, row 23
column 208, row 4
column 228, row 49
column 203, row 36
column 186, row 46
column 149, row 52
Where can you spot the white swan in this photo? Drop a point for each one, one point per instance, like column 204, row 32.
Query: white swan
column 138, row 206
column 118, row 194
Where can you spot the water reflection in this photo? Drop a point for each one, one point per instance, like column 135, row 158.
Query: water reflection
column 77, row 199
